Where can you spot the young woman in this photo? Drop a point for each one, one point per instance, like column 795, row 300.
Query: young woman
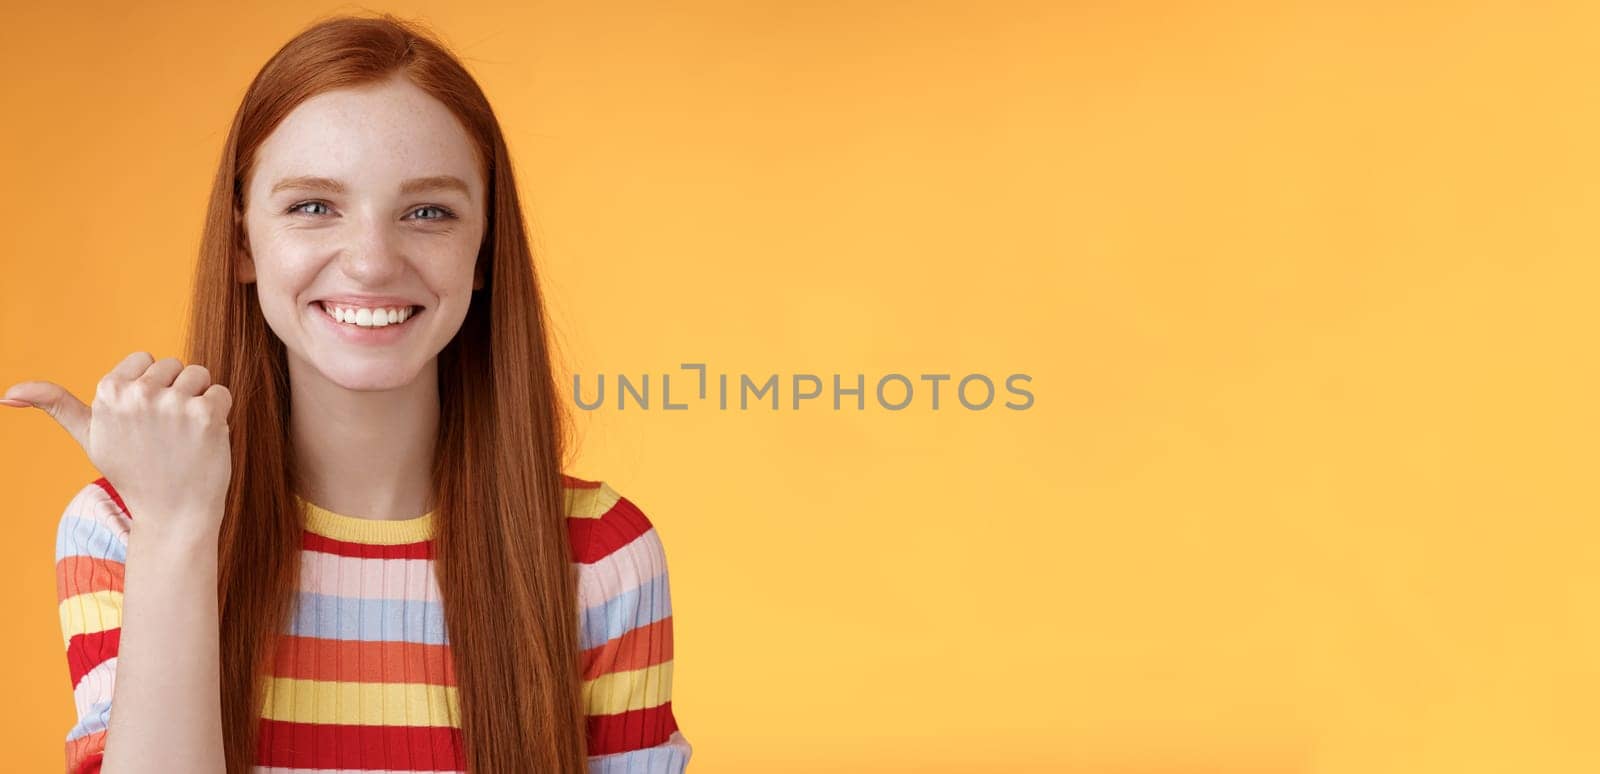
column 340, row 538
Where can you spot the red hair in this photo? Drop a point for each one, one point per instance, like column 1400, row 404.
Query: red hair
column 502, row 552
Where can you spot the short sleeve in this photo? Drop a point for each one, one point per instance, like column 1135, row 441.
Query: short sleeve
column 626, row 631
column 91, row 551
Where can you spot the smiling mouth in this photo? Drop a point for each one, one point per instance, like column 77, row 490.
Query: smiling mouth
column 363, row 317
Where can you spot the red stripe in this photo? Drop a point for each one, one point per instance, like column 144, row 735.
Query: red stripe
column 361, row 661
column 422, row 549
column 116, row 498
column 333, row 746
column 87, row 651
column 79, row 574
column 637, row 648
column 86, row 753
column 631, row 730
column 595, row 539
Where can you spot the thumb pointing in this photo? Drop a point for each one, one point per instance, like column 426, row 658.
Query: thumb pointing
column 53, row 399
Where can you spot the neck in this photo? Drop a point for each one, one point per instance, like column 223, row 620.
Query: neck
column 365, row 453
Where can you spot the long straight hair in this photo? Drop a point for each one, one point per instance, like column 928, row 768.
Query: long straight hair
column 504, row 568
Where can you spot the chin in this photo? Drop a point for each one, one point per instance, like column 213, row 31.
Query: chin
column 369, row 379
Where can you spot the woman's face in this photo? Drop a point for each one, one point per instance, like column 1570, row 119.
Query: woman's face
column 364, row 201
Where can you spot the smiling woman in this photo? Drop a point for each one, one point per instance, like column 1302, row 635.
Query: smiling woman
column 406, row 577
column 327, row 221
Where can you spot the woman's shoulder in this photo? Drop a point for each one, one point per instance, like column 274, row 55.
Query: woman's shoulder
column 606, row 525
column 622, row 567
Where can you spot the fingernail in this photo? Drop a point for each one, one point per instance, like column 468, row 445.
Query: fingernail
column 17, row 403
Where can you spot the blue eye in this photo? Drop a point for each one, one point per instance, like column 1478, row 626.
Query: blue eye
column 445, row 214
column 296, row 207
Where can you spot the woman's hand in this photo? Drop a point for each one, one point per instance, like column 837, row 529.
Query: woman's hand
column 158, row 431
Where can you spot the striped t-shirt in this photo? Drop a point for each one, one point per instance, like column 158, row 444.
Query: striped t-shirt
column 362, row 678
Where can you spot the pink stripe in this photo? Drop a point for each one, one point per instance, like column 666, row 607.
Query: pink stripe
column 94, row 505
column 367, row 578
column 95, row 687
column 623, row 570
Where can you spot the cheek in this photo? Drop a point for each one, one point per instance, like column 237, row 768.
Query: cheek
column 285, row 267
column 446, row 265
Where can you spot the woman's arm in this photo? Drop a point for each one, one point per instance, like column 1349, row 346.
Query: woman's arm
column 627, row 641
column 139, row 613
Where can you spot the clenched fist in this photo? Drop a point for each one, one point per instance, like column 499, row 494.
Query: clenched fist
column 158, row 431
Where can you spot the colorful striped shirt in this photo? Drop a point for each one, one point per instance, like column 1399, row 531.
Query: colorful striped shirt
column 362, row 677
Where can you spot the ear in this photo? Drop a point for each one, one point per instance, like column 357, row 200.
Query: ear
column 244, row 266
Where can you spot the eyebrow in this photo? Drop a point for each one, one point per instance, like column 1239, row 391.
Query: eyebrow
column 414, row 185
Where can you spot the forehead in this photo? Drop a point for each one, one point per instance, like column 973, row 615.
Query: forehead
column 371, row 137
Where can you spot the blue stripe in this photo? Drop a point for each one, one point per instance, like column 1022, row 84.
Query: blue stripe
column 662, row 759
column 631, row 609
column 93, row 720
column 352, row 618
column 81, row 537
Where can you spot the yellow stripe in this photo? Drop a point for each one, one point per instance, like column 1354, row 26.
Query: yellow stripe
column 622, row 691
column 383, row 532
column 591, row 503
column 387, row 704
column 89, row 612
column 580, row 503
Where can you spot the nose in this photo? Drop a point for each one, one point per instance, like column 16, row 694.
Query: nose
column 372, row 256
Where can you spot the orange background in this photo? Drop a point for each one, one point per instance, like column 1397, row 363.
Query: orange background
column 1306, row 293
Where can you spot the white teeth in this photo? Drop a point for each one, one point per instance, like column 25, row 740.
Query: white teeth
column 367, row 317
